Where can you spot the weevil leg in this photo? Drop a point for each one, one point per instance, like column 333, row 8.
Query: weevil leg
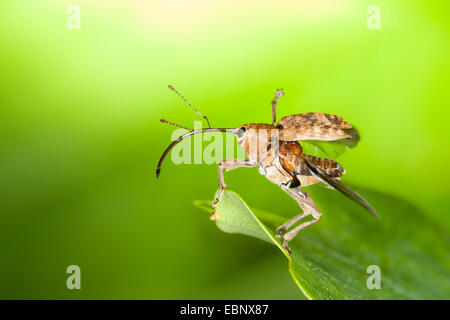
column 228, row 165
column 278, row 94
column 309, row 208
column 281, row 229
column 291, row 234
column 302, row 198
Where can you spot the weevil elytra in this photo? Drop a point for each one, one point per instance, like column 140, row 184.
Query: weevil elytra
column 275, row 149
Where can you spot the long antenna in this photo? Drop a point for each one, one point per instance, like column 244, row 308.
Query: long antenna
column 174, row 124
column 190, row 105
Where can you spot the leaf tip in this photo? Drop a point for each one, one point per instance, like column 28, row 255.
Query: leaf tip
column 213, row 216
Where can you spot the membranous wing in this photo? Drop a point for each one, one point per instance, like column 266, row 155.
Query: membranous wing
column 330, row 149
column 336, row 184
column 313, row 126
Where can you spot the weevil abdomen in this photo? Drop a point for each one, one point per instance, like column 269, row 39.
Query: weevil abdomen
column 331, row 167
column 292, row 160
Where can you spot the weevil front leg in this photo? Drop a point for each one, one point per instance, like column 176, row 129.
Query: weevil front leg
column 228, row 165
column 278, row 94
column 309, row 208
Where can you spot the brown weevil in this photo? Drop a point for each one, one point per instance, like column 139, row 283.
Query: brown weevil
column 275, row 149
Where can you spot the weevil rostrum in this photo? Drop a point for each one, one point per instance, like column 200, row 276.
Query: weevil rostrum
column 276, row 151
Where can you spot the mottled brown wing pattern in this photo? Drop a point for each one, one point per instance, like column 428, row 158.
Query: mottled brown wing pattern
column 313, row 126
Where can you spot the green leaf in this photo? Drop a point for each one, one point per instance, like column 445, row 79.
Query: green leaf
column 330, row 259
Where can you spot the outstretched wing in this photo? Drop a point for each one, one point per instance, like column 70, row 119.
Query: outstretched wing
column 319, row 173
column 313, row 126
column 330, row 149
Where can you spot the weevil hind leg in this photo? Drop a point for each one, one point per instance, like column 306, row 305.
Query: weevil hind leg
column 309, row 208
column 291, row 234
column 228, row 165
column 283, row 228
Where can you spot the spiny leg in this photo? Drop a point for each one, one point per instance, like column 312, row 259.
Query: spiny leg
column 309, row 208
column 227, row 165
column 278, row 94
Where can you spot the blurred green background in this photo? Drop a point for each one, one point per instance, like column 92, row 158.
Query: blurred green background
column 80, row 137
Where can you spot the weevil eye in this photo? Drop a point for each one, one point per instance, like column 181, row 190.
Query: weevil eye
column 240, row 132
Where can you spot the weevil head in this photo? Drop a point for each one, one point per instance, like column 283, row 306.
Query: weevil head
column 247, row 134
column 241, row 133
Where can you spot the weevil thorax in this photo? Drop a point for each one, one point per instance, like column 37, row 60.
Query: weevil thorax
column 256, row 139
